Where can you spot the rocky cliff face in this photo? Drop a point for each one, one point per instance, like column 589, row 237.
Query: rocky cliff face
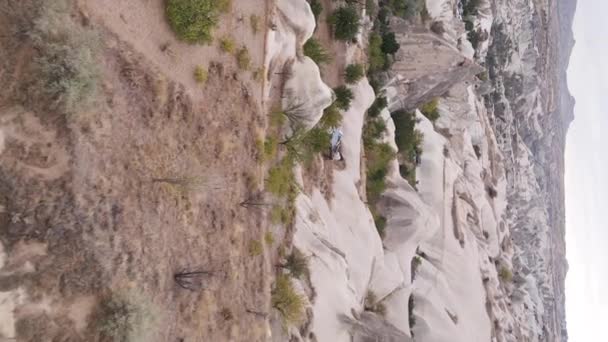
column 531, row 109
column 475, row 250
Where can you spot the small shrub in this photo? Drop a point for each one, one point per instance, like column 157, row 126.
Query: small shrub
column 66, row 69
column 200, row 74
column 377, row 58
column 314, row 50
column 438, row 27
column 224, row 6
column 243, row 59
column 408, row 172
column 287, row 301
column 304, row 145
column 378, row 156
column 269, row 238
column 376, row 108
column 389, row 43
column 282, row 214
column 343, row 97
column 317, row 8
column 354, row 72
column 373, row 130
column 380, row 222
column 430, row 110
column 371, row 304
column 258, row 74
column 407, row 137
column 280, row 181
column 491, row 191
column 226, row 314
column 277, row 118
column 505, row 274
column 371, row 8
column 424, row 13
column 406, row 8
column 410, row 309
column 193, row 21
column 227, row 44
column 483, row 76
column 126, row 317
column 254, row 22
column 297, row 263
column 255, row 248
column 331, row 117
column 270, row 148
column 345, row 22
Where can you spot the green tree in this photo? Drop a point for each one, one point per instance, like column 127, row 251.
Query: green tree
column 316, row 7
column 377, row 58
column 389, row 43
column 354, row 72
column 343, row 97
column 430, row 109
column 345, row 21
column 316, row 51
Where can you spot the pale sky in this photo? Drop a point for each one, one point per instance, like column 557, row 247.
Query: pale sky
column 587, row 177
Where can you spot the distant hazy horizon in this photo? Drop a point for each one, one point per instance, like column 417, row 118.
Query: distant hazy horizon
column 586, row 178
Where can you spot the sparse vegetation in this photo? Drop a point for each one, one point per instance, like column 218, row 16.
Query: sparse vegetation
column 407, row 137
column 378, row 156
column 438, row 27
column 280, row 181
column 304, row 145
column 316, row 7
column 389, row 43
column 343, row 97
column 193, row 21
column 379, row 104
column 332, row 117
column 372, row 304
column 406, row 8
column 226, row 314
column 430, row 109
column 224, row 6
column 410, row 309
column 345, row 22
column 354, row 72
column 65, row 65
column 282, row 214
column 227, row 44
column 380, row 222
column 316, row 51
column 296, row 263
column 505, row 274
column 287, row 301
column 270, row 148
column 243, row 59
column 255, row 248
column 377, row 58
column 200, row 74
column 371, row 8
column 258, row 74
column 126, row 317
column 269, row 238
column 254, row 22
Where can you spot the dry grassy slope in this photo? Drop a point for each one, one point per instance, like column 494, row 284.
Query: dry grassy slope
column 81, row 219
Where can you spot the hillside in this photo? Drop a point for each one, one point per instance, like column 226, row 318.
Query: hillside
column 283, row 170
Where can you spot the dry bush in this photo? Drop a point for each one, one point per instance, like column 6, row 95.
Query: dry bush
column 66, row 69
column 127, row 317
